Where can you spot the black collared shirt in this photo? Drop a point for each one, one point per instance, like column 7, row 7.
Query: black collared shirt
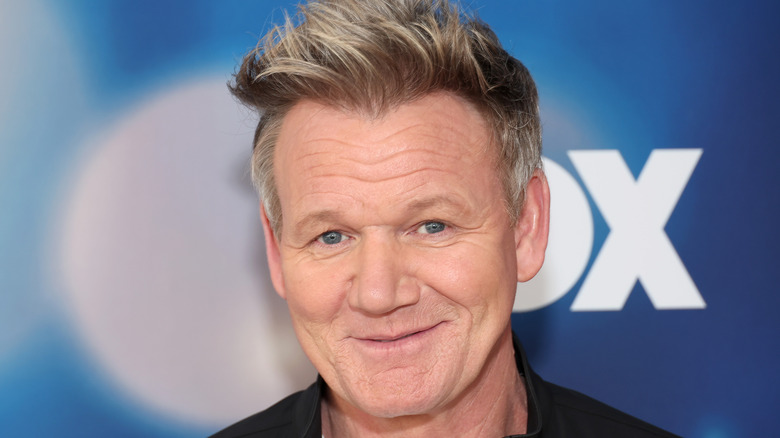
column 553, row 412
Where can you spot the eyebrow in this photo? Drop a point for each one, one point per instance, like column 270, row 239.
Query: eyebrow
column 321, row 216
column 445, row 200
column 417, row 205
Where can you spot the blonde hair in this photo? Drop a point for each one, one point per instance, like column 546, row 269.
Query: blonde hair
column 370, row 56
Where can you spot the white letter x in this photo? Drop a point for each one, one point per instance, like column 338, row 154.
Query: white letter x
column 637, row 246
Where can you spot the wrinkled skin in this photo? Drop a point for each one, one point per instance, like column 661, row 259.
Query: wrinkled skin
column 398, row 260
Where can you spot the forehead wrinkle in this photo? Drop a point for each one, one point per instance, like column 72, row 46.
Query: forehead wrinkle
column 375, row 153
column 445, row 142
column 396, row 159
column 371, row 177
column 327, row 140
column 439, row 133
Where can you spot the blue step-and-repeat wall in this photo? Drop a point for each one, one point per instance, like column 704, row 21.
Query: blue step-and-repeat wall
column 134, row 300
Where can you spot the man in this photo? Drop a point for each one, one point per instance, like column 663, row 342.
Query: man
column 398, row 159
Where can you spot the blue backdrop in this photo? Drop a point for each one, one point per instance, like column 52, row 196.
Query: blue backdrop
column 133, row 296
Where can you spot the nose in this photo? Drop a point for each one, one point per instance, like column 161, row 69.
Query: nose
column 382, row 281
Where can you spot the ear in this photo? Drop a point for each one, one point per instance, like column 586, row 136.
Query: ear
column 532, row 227
column 273, row 255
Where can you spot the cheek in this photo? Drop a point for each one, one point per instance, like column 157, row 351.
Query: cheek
column 314, row 294
column 476, row 277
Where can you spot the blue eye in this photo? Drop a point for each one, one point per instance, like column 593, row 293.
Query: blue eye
column 331, row 238
column 432, row 227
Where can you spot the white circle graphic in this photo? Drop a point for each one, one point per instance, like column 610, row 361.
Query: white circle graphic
column 569, row 245
column 163, row 258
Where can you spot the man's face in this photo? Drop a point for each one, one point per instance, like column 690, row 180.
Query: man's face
column 396, row 254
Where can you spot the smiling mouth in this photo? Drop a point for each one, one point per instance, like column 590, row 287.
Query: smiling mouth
column 397, row 339
column 387, row 340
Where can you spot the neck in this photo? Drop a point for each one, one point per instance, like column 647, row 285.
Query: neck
column 495, row 404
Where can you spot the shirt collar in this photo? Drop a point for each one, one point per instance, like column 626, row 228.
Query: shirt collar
column 538, row 399
column 307, row 419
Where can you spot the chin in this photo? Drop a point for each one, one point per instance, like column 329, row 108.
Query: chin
column 404, row 399
column 399, row 408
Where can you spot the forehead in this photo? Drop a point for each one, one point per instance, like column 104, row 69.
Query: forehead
column 440, row 121
column 438, row 146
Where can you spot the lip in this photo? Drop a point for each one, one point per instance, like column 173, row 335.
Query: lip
column 408, row 341
column 383, row 337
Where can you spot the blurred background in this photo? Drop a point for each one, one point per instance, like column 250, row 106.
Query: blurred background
column 134, row 299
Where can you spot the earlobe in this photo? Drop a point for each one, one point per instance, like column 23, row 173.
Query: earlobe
column 532, row 227
column 273, row 255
